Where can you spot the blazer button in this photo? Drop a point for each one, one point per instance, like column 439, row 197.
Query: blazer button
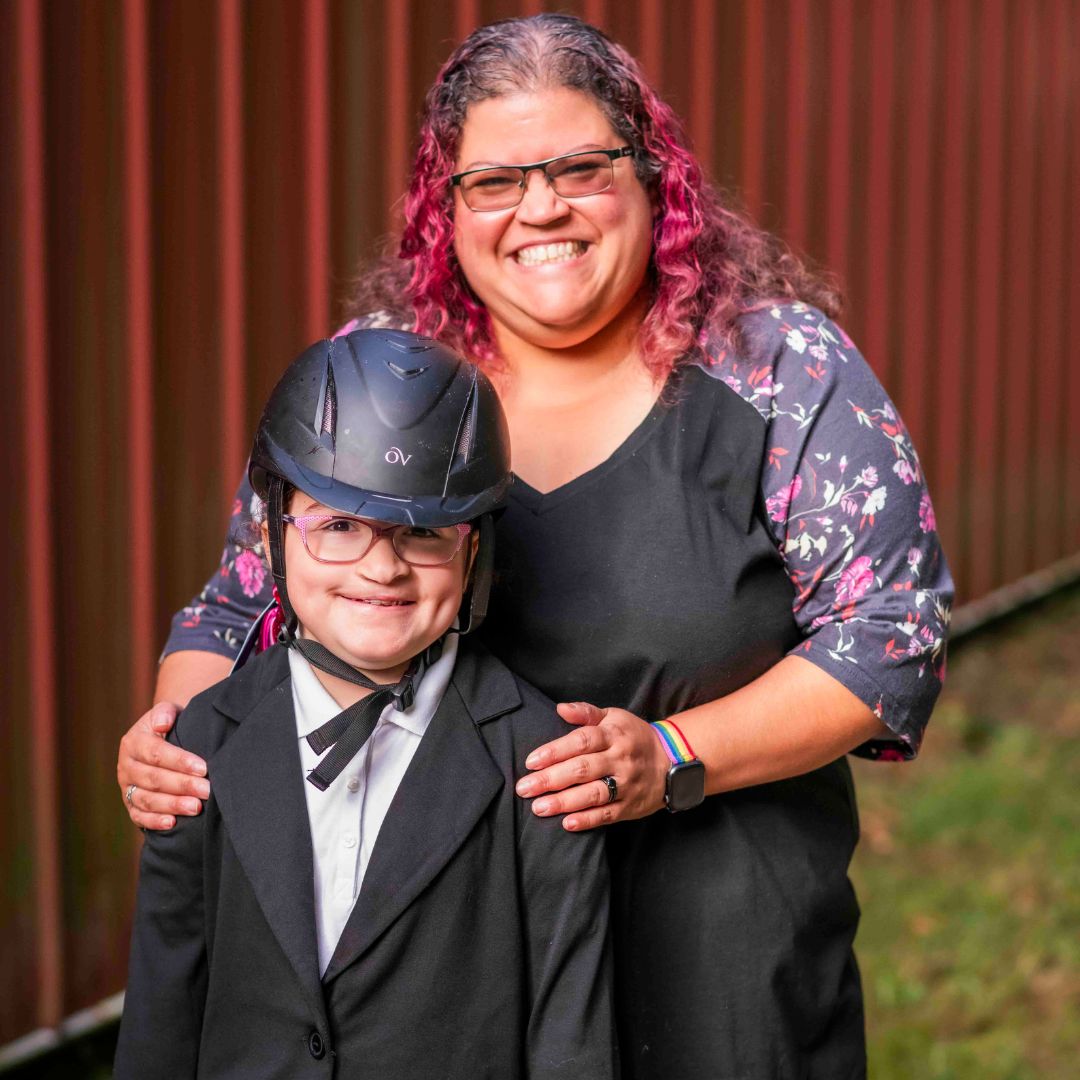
column 316, row 1047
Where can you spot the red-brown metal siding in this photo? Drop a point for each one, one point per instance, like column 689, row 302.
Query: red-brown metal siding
column 954, row 289
column 41, row 594
column 139, row 345
column 187, row 189
column 230, row 226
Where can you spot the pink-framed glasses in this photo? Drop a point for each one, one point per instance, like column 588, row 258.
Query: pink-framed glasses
column 335, row 538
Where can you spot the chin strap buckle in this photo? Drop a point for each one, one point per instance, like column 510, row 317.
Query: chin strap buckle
column 404, row 694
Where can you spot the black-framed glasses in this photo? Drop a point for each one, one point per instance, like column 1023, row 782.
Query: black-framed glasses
column 335, row 538
column 499, row 187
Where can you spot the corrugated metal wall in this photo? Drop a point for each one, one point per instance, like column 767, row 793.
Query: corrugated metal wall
column 187, row 185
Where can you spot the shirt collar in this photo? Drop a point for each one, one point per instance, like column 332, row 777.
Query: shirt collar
column 315, row 706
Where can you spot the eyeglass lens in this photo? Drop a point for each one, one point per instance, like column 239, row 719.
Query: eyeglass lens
column 571, row 177
column 341, row 539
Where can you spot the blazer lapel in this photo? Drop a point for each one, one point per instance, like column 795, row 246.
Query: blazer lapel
column 449, row 784
column 257, row 780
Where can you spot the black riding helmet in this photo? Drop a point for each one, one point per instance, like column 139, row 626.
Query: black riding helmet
column 388, row 425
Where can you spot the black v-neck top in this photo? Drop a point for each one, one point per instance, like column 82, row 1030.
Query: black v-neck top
column 647, row 582
column 652, row 583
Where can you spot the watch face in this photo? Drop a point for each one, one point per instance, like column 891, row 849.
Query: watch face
column 685, row 786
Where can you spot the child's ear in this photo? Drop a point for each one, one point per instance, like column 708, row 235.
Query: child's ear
column 264, row 535
column 470, row 558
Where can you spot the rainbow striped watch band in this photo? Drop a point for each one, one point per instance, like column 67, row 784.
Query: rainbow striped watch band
column 674, row 742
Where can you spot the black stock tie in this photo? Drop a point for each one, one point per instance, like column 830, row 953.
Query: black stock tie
column 352, row 727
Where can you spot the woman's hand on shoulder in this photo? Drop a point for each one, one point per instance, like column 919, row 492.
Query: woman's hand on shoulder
column 163, row 780
column 568, row 771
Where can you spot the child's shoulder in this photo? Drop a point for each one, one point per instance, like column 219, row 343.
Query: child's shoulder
column 492, row 692
column 210, row 717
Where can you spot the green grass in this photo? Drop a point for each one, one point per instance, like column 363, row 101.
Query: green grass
column 969, row 868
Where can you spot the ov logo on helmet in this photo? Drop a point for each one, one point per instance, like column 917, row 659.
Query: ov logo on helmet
column 396, row 456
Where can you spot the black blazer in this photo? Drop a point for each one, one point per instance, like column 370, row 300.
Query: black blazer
column 478, row 945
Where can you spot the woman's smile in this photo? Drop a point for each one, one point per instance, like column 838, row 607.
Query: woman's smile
column 548, row 254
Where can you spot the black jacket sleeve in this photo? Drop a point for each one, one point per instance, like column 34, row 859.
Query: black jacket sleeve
column 565, row 887
column 167, row 971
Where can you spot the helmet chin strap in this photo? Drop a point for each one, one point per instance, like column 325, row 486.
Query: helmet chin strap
column 347, row 732
column 482, row 570
column 276, row 528
column 352, row 727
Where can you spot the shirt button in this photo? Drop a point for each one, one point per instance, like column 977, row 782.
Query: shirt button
column 350, row 841
column 354, row 783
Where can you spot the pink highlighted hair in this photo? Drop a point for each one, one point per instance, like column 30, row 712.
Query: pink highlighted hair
column 709, row 264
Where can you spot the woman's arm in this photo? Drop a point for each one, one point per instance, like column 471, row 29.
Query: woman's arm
column 168, row 780
column 792, row 719
column 844, row 497
column 205, row 638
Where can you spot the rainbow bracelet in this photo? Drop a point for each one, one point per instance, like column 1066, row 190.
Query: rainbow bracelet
column 674, row 742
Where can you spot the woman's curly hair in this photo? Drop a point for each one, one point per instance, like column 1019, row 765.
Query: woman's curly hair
column 710, row 263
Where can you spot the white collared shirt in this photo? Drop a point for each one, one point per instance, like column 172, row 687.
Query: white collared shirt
column 345, row 818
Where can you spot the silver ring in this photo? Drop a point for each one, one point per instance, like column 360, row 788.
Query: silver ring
column 127, row 795
column 612, row 787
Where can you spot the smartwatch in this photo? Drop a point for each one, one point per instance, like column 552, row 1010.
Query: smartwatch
column 685, row 784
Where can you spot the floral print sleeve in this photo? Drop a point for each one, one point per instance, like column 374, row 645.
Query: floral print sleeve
column 846, row 501
column 218, row 619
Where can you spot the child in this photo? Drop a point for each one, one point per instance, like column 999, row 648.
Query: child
column 363, row 894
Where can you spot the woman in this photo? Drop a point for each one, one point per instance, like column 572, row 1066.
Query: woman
column 719, row 521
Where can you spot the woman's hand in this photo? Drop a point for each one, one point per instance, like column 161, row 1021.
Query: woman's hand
column 168, row 780
column 608, row 742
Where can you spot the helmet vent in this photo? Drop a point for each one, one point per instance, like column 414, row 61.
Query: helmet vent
column 329, row 405
column 465, row 436
column 465, row 442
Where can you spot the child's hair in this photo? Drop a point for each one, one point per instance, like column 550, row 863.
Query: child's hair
column 710, row 262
